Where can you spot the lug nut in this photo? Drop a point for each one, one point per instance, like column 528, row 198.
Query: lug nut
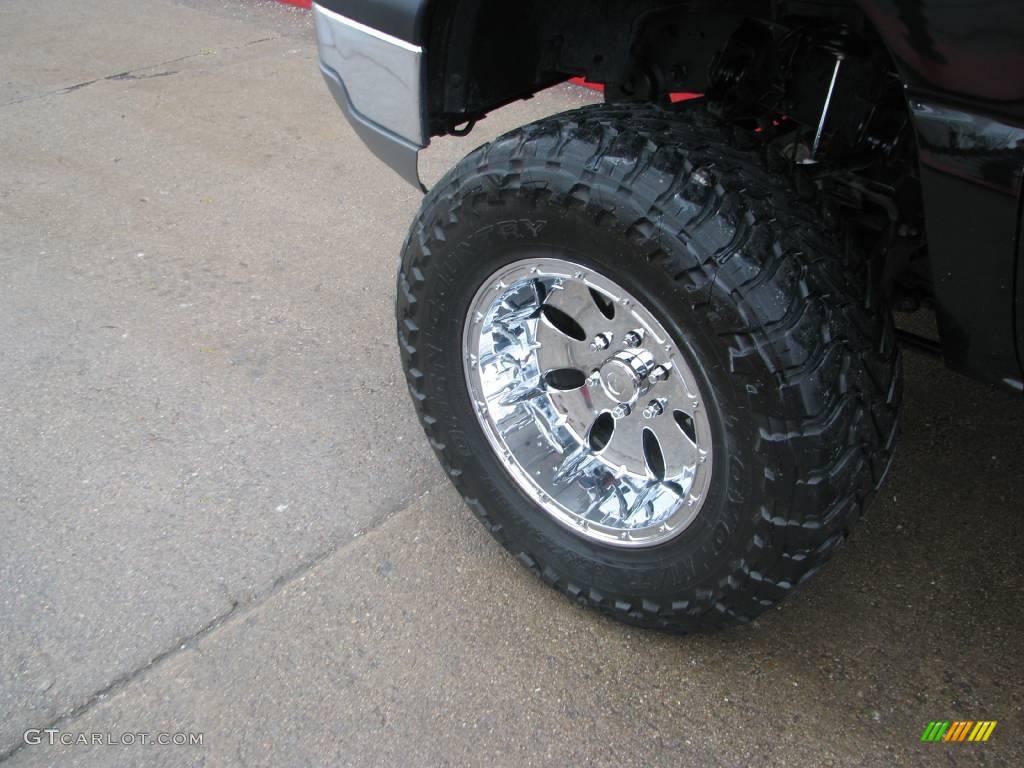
column 620, row 411
column 654, row 408
column 601, row 341
column 658, row 373
column 632, row 339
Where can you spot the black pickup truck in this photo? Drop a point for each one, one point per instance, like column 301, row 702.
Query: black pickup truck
column 652, row 341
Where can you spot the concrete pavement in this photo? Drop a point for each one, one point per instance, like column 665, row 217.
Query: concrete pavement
column 204, row 414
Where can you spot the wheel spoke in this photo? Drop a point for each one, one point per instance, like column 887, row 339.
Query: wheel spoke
column 572, row 463
column 520, row 394
column 640, row 510
column 677, row 393
column 677, row 450
column 618, row 510
column 574, row 299
column 510, row 314
column 556, row 350
column 579, row 408
column 626, row 447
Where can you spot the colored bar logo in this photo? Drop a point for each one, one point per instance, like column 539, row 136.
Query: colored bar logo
column 958, row 730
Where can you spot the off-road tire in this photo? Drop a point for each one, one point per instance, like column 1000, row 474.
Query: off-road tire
column 795, row 349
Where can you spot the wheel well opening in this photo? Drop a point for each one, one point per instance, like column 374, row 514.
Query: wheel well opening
column 814, row 84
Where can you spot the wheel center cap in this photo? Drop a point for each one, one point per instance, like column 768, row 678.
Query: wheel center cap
column 622, row 376
column 619, row 381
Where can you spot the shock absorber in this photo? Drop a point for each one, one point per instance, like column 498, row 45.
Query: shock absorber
column 836, row 42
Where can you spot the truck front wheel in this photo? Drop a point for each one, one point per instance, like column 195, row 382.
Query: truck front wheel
column 651, row 371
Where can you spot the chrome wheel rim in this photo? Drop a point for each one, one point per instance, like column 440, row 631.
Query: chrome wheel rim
column 587, row 401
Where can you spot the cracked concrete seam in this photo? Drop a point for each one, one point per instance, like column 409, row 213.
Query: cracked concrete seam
column 131, row 75
column 238, row 608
